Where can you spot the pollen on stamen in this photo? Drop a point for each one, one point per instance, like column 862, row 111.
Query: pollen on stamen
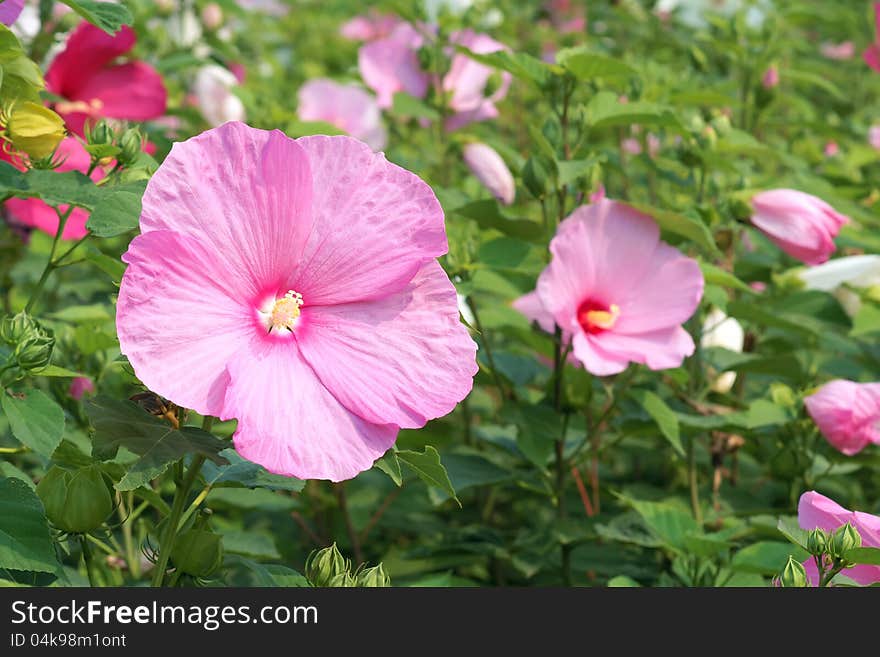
column 286, row 311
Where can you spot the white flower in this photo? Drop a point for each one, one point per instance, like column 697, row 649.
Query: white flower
column 835, row 276
column 719, row 330
column 212, row 89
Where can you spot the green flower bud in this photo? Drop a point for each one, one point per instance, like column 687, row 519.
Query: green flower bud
column 31, row 344
column 793, row 575
column 100, row 134
column 373, row 577
column 35, row 352
column 535, row 177
column 722, row 125
column 197, row 552
column 14, row 328
column 323, row 566
column 130, row 144
column 817, row 542
column 846, row 538
column 76, row 501
column 342, row 580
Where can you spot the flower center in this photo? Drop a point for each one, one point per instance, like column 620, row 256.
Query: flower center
column 284, row 313
column 596, row 316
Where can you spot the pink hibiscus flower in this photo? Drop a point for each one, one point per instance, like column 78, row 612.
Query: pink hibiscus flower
column 370, row 27
column 467, row 80
column 35, row 213
column 294, row 285
column 391, row 64
column 9, row 11
column 816, row 511
column 839, row 51
column 346, row 106
column 872, row 52
column 93, row 86
column 617, row 292
column 847, row 414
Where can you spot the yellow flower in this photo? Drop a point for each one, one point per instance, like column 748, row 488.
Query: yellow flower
column 34, row 129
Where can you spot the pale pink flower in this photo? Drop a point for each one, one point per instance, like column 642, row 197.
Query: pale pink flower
column 616, row 291
column 847, row 414
column 345, row 106
column 631, row 146
column 816, row 511
column 486, row 164
column 874, row 136
column 800, row 224
column 80, row 386
column 293, row 285
column 391, row 64
column 839, row 51
column 758, row 286
column 370, row 27
column 770, row 78
column 654, row 144
column 467, row 79
column 212, row 92
column 35, row 213
column 831, row 149
column 212, row 16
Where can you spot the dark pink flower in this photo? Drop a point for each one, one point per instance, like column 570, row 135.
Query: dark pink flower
column 771, row 77
column 80, row 386
column 847, row 414
column 872, row 52
column 831, row 149
column 85, row 74
column 816, row 511
column 35, row 213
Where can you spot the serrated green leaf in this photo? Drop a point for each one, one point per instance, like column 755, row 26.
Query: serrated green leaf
column 25, row 541
column 109, row 16
column 792, row 531
column 521, row 65
column 390, row 465
column 766, row 557
column 428, row 467
column 605, row 111
column 246, row 474
column 714, row 275
column 118, row 210
column 36, row 421
column 407, row 106
column 679, row 224
column 587, row 66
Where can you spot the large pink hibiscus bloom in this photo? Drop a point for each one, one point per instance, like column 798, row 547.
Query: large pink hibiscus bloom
column 616, row 291
column 93, row 86
column 294, row 285
column 35, row 213
column 816, row 511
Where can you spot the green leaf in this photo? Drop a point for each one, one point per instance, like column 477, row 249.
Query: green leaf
column 670, row 523
column 488, row 215
column 605, row 111
column 407, row 106
column 663, row 416
column 571, row 170
column 790, row 529
column 587, row 66
column 113, row 267
column 390, row 465
column 679, row 224
column 716, row 276
column 242, row 473
column 35, row 420
column 61, row 188
column 118, row 211
column 521, row 65
column 428, row 467
column 156, row 443
column 864, row 555
column 239, row 571
column 866, row 321
column 538, row 427
column 109, row 16
column 55, row 371
column 764, row 413
column 766, row 557
column 250, row 544
column 25, row 541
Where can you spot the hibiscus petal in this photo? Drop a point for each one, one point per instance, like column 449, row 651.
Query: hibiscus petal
column 289, row 423
column 132, row 92
column 595, row 359
column 180, row 319
column 391, row 64
column 404, row 359
column 815, row 511
column 659, row 350
column 88, row 50
column 374, row 224
column 245, row 193
column 530, row 305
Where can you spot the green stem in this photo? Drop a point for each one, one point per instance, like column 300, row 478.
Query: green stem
column 339, row 488
column 173, row 520
column 692, row 481
column 73, row 247
column 50, row 264
column 488, row 348
column 89, row 561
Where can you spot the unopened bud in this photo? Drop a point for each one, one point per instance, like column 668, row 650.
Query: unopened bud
column 212, row 16
column 130, row 145
column 846, row 538
column 197, row 552
column 34, row 129
column 100, row 134
column 817, row 542
column 76, row 501
column 793, row 575
column 373, row 577
column 324, row 565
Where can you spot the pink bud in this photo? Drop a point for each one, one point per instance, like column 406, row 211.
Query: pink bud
column 831, row 149
column 847, row 414
column 212, row 16
column 874, row 136
column 485, row 163
column 771, row 77
column 758, row 286
column 598, row 194
column 800, row 224
column 80, row 386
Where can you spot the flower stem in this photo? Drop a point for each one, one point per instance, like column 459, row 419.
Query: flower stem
column 89, row 561
column 692, row 481
column 50, row 263
column 170, row 534
column 489, row 357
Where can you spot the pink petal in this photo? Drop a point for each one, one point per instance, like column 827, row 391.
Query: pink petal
column 88, row 50
column 530, row 305
column 847, row 414
column 246, row 195
column 404, row 359
column 181, row 315
column 392, row 64
column 347, row 107
column 375, row 224
column 816, row 511
column 467, row 78
column 132, row 92
column 659, row 350
column 594, row 358
column 9, row 11
column 289, row 423
column 872, row 56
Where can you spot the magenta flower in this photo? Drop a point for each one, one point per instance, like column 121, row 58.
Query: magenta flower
column 35, row 213
column 770, row 78
column 831, row 149
column 9, row 11
column 94, row 86
column 800, row 224
column 294, row 285
column 847, row 414
column 816, row 511
column 872, row 52
column 370, row 27
column 391, row 64
column 486, row 164
column 80, row 386
column 839, row 51
column 616, row 291
column 346, row 106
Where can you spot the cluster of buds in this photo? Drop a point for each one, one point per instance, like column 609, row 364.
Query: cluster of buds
column 25, row 347
column 76, row 501
column 32, row 130
column 328, row 568
column 104, row 142
column 829, row 549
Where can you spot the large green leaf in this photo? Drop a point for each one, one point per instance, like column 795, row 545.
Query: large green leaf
column 605, row 110
column 118, row 210
column 428, row 467
column 156, row 444
column 864, row 555
column 488, row 214
column 35, row 420
column 25, row 542
column 242, row 473
column 669, row 522
column 683, row 225
column 518, row 64
column 663, row 416
column 109, row 16
column 588, row 66
column 766, row 557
